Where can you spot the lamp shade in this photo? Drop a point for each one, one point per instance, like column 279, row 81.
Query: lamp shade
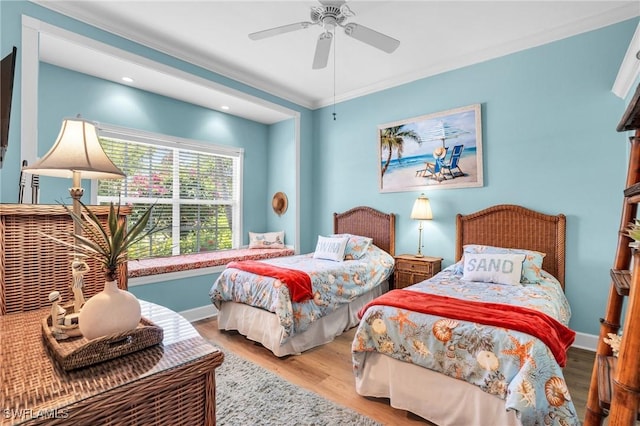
column 77, row 149
column 421, row 209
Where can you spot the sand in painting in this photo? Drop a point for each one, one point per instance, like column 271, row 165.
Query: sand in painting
column 405, row 179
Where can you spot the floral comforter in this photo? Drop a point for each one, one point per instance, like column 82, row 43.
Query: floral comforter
column 333, row 284
column 511, row 365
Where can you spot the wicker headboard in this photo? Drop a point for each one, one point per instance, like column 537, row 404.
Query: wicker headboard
column 368, row 222
column 513, row 226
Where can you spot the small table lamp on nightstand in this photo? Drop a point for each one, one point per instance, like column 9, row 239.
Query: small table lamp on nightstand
column 421, row 211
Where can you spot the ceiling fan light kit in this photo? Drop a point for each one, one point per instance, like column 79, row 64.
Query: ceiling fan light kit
column 329, row 15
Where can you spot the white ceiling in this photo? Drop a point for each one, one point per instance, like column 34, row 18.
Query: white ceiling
column 435, row 36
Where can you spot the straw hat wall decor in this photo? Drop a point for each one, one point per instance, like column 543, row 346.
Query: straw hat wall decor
column 279, row 203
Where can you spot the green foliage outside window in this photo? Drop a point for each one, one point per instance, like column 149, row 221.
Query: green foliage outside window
column 204, row 202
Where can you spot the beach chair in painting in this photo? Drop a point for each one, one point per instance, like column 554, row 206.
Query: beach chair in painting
column 433, row 169
column 452, row 167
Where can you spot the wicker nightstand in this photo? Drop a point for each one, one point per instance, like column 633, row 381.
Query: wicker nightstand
column 411, row 269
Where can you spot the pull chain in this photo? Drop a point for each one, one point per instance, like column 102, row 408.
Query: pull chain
column 334, row 77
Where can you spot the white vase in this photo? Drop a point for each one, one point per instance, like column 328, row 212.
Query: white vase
column 108, row 312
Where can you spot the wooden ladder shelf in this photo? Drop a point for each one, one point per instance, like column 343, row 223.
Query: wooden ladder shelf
column 615, row 382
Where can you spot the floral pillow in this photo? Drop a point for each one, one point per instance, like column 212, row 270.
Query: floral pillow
column 267, row 240
column 357, row 246
column 531, row 266
column 493, row 268
column 330, row 248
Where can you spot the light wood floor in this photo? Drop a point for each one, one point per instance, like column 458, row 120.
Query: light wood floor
column 326, row 370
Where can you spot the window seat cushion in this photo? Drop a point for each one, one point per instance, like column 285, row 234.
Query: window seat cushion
column 163, row 265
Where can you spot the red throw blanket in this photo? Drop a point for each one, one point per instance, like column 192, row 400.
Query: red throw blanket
column 298, row 282
column 554, row 334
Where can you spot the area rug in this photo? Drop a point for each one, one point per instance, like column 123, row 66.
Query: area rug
column 247, row 394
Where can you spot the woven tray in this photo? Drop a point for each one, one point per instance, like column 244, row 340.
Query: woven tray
column 80, row 352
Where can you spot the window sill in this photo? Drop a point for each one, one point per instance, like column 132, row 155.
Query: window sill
column 165, row 265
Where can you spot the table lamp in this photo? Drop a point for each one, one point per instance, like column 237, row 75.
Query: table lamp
column 421, row 211
column 76, row 154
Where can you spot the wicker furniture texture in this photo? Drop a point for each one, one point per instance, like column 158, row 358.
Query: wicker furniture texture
column 32, row 265
column 81, row 352
column 410, row 269
column 512, row 226
column 368, row 222
column 168, row 384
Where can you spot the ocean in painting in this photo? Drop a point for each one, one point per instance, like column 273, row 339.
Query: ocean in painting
column 417, row 161
column 403, row 175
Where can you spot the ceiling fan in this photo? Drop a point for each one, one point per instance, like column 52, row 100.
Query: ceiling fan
column 329, row 15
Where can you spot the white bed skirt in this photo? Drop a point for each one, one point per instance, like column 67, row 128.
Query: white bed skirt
column 431, row 395
column 264, row 327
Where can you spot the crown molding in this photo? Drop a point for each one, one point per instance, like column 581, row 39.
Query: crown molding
column 622, row 13
column 630, row 68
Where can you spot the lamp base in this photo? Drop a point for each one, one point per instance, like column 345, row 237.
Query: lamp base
column 419, row 254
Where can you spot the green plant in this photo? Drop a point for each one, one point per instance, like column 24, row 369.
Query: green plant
column 108, row 244
column 633, row 230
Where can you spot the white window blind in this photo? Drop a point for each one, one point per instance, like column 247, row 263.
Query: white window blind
column 194, row 189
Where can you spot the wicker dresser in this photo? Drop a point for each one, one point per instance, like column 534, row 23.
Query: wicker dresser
column 168, row 384
column 32, row 264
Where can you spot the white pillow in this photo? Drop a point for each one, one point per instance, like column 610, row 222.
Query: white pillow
column 530, row 268
column 273, row 240
column 330, row 248
column 500, row 268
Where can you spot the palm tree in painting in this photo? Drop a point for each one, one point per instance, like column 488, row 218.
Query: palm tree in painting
column 393, row 138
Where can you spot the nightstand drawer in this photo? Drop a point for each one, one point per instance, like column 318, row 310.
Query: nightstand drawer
column 407, row 266
column 410, row 269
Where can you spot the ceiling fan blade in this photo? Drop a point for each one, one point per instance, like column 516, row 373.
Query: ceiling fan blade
column 371, row 37
column 259, row 35
column 322, row 50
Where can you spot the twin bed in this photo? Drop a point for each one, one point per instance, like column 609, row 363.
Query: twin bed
column 453, row 371
column 441, row 365
column 261, row 308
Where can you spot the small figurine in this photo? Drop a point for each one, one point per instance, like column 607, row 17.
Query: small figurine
column 78, row 269
column 63, row 326
column 56, row 310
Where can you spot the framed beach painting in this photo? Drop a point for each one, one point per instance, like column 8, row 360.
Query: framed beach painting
column 440, row 150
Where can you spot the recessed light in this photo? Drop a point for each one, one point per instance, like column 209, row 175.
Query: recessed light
column 224, row 107
column 127, row 79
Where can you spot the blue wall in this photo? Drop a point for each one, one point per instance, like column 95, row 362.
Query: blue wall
column 281, row 161
column 549, row 142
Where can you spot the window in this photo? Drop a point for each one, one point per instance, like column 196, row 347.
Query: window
column 194, row 187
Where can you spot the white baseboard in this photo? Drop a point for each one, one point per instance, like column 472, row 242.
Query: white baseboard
column 199, row 313
column 586, row 341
